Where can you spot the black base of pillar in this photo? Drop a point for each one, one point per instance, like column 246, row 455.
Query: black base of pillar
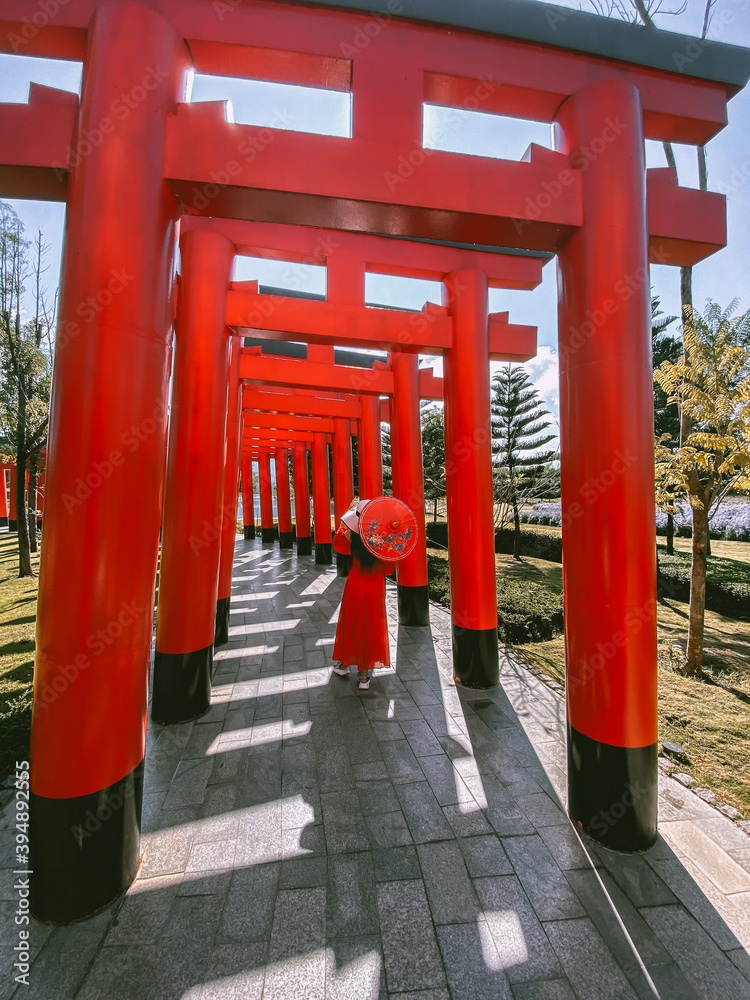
column 12, row 525
column 285, row 539
column 221, row 633
column 39, row 523
column 3, row 522
column 84, row 850
column 413, row 606
column 343, row 564
column 323, row 553
column 267, row 534
column 613, row 792
column 182, row 685
column 249, row 531
column 475, row 657
column 304, row 545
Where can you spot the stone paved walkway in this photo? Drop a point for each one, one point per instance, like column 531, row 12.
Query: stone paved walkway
column 304, row 840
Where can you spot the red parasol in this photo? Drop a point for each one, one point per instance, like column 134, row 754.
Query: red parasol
column 388, row 528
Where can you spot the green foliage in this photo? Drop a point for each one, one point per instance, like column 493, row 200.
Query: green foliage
column 727, row 583
column 433, row 457
column 665, row 347
column 536, row 544
column 15, row 733
column 520, row 432
column 528, row 612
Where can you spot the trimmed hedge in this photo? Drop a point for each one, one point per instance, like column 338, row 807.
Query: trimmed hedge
column 536, row 544
column 527, row 612
column 724, row 597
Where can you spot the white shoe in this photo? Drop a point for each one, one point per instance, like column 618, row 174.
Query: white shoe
column 341, row 671
column 364, row 685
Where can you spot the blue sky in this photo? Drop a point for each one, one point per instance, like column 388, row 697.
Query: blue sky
column 722, row 277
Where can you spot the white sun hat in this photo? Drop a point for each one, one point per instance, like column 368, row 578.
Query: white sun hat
column 351, row 518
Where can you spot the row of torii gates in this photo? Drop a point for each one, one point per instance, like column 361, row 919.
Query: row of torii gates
column 139, row 169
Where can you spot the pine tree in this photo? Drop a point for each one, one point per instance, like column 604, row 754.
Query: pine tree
column 523, row 469
column 665, row 347
column 433, row 457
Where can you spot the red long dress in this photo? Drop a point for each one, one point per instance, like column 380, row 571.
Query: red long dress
column 362, row 631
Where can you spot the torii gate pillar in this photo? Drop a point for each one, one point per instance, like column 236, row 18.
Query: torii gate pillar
column 191, row 538
column 96, row 586
column 408, row 485
column 606, row 432
column 301, row 499
column 283, row 498
column 343, row 482
column 468, row 482
column 266, row 496
column 321, row 499
column 248, row 498
column 231, row 491
column 369, row 450
column 12, row 518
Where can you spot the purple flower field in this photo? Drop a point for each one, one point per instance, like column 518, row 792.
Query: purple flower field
column 731, row 521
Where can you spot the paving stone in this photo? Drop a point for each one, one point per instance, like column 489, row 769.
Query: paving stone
column 143, row 913
column 466, row 821
column 472, row 963
column 421, row 738
column 614, row 916
column 351, row 900
column 544, row 883
column 377, row 797
column 485, row 856
column 388, row 829
column 400, row 761
column 412, row 959
column 637, row 879
column 424, row 816
column 344, row 824
column 587, row 961
column 447, row 785
column 449, row 890
column 304, row 873
column 166, row 852
column 189, row 783
column 541, row 810
column 522, row 946
column 235, row 972
column 689, row 839
column 670, row 982
column 706, row 967
column 396, row 863
column 565, row 847
column 354, row 969
column 550, row 989
column 248, row 911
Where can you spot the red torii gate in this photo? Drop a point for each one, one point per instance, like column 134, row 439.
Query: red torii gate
column 606, row 88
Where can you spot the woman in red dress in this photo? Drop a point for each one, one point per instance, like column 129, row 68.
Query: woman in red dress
column 362, row 631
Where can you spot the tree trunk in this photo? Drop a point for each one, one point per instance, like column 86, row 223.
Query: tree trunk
column 434, row 510
column 708, row 544
column 516, row 534
column 694, row 660
column 670, row 534
column 31, row 511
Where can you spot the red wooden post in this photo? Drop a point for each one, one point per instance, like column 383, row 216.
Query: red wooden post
column 105, row 474
column 408, row 485
column 283, row 498
column 266, row 496
column 12, row 518
column 248, row 498
column 231, row 491
column 606, row 430
column 321, row 499
column 370, row 453
column 468, row 482
column 343, row 481
column 191, row 536
column 3, row 500
column 301, row 499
